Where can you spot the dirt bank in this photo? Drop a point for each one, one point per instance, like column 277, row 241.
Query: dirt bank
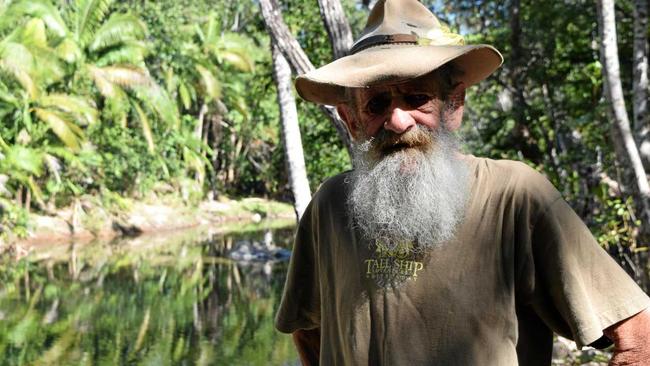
column 88, row 220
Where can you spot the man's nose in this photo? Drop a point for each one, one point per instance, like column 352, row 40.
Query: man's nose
column 399, row 121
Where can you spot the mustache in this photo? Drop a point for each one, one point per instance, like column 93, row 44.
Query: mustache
column 387, row 142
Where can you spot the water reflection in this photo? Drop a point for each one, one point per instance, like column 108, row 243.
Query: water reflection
column 150, row 301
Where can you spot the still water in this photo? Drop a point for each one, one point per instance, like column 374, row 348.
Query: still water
column 169, row 299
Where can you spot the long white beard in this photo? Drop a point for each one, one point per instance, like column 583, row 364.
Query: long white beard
column 413, row 196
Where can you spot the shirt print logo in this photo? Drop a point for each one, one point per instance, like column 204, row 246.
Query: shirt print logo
column 393, row 265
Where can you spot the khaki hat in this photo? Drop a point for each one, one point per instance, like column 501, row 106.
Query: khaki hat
column 402, row 40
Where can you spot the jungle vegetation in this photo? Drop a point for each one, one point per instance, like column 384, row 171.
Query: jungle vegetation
column 101, row 97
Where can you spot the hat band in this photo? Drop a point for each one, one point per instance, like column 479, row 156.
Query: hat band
column 383, row 39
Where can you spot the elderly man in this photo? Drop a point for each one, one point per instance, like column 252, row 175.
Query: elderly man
column 424, row 256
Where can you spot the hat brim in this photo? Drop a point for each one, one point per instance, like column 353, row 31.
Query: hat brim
column 394, row 64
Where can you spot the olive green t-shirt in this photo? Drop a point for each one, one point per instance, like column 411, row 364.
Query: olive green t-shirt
column 522, row 265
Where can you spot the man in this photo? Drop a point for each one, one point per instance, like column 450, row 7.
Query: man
column 424, row 256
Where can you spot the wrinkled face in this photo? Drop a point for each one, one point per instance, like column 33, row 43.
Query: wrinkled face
column 389, row 113
column 409, row 184
column 399, row 107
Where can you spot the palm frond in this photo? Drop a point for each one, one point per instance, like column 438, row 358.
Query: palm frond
column 211, row 32
column 117, row 108
column 89, row 16
column 68, row 50
column 195, row 163
column 146, row 127
column 36, row 190
column 184, row 93
column 171, row 80
column 6, row 96
column 128, row 53
column 62, row 126
column 48, row 67
column 157, row 99
column 118, row 29
column 105, row 87
column 53, row 166
column 242, row 107
column 24, row 159
column 33, row 33
column 199, row 33
column 16, row 54
column 79, row 108
column 210, row 83
column 17, row 61
column 236, row 50
column 239, row 60
column 41, row 9
column 123, row 75
column 22, row 77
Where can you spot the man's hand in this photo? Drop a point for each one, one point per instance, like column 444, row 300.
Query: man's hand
column 308, row 345
column 631, row 339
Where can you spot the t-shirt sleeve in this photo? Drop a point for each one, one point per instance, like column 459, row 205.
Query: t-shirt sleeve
column 300, row 304
column 576, row 288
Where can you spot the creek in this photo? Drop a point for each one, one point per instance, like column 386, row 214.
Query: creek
column 172, row 298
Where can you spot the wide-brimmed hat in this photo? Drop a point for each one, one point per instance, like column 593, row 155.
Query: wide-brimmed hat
column 402, row 40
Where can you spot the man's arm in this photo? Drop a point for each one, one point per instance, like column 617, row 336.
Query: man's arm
column 308, row 345
column 631, row 339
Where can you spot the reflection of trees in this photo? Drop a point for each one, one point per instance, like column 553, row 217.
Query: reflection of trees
column 186, row 304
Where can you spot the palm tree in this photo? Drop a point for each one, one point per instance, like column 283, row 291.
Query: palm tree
column 201, row 86
column 27, row 70
column 107, row 50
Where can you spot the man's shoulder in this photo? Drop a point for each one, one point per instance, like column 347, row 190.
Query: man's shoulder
column 509, row 171
column 334, row 184
column 333, row 189
column 515, row 178
column 504, row 167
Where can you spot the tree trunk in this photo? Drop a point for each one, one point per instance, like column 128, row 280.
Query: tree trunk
column 517, row 66
column 614, row 94
column 337, row 26
column 298, row 60
column 640, row 81
column 295, row 160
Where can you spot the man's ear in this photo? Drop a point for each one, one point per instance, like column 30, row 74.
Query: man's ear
column 347, row 115
column 454, row 107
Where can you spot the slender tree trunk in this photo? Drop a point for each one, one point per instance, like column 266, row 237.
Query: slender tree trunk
column 640, row 81
column 298, row 60
column 517, row 67
column 295, row 160
column 614, row 94
column 215, row 142
column 198, row 129
column 337, row 26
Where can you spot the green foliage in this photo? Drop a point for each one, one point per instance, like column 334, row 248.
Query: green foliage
column 13, row 219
